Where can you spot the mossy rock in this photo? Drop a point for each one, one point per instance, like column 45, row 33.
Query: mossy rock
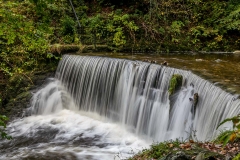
column 67, row 48
column 175, row 83
column 18, row 92
column 15, row 106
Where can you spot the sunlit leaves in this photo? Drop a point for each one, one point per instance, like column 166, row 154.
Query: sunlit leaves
column 19, row 37
column 115, row 27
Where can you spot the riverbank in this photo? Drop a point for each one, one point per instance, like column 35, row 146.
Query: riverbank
column 19, row 91
column 177, row 150
column 188, row 150
column 81, row 48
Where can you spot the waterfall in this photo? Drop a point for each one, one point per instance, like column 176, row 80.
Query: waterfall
column 135, row 95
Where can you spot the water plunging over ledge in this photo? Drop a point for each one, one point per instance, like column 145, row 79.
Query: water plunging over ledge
column 97, row 107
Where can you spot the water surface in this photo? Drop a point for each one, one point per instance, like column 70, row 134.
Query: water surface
column 221, row 69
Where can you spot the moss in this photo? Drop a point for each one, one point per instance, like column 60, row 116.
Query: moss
column 60, row 49
column 15, row 106
column 237, row 157
column 175, row 83
column 176, row 149
column 17, row 90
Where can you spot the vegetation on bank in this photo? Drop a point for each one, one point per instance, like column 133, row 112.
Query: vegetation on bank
column 31, row 28
column 3, row 134
column 230, row 135
column 226, row 145
column 176, row 150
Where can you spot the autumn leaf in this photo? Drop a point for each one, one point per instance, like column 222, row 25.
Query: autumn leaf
column 232, row 136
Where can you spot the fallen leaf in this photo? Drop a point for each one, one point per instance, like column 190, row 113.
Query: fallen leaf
column 191, row 141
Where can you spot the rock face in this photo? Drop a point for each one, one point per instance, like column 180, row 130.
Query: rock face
column 19, row 92
column 237, row 52
column 195, row 101
column 200, row 156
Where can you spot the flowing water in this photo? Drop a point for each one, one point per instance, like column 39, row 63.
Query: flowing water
column 108, row 108
column 220, row 69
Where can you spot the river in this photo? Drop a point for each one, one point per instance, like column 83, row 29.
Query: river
column 110, row 108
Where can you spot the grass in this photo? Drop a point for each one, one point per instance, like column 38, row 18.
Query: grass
column 170, row 149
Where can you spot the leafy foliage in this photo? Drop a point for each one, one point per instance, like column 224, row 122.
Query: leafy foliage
column 237, row 157
column 25, row 37
column 182, row 150
column 115, row 28
column 22, row 42
column 230, row 135
column 3, row 120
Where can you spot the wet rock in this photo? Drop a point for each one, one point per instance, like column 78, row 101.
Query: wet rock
column 177, row 156
column 195, row 99
column 192, row 85
column 181, row 156
column 15, row 106
column 228, row 157
column 236, row 97
column 19, row 93
column 53, row 156
column 199, row 60
column 200, row 156
column 237, row 52
column 31, row 138
column 218, row 60
column 165, row 63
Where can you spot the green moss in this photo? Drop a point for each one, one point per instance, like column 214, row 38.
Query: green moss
column 18, row 103
column 158, row 150
column 237, row 157
column 67, row 48
column 175, row 83
column 176, row 149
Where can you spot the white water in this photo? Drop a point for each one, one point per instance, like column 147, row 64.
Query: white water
column 135, row 94
column 100, row 107
column 67, row 134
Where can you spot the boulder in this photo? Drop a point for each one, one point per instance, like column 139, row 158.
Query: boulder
column 237, row 52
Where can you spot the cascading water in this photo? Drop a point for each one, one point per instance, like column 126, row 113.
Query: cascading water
column 96, row 106
column 136, row 95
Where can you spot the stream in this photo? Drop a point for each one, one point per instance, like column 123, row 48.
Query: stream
column 111, row 108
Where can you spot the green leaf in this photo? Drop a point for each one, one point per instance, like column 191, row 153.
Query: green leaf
column 233, row 119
